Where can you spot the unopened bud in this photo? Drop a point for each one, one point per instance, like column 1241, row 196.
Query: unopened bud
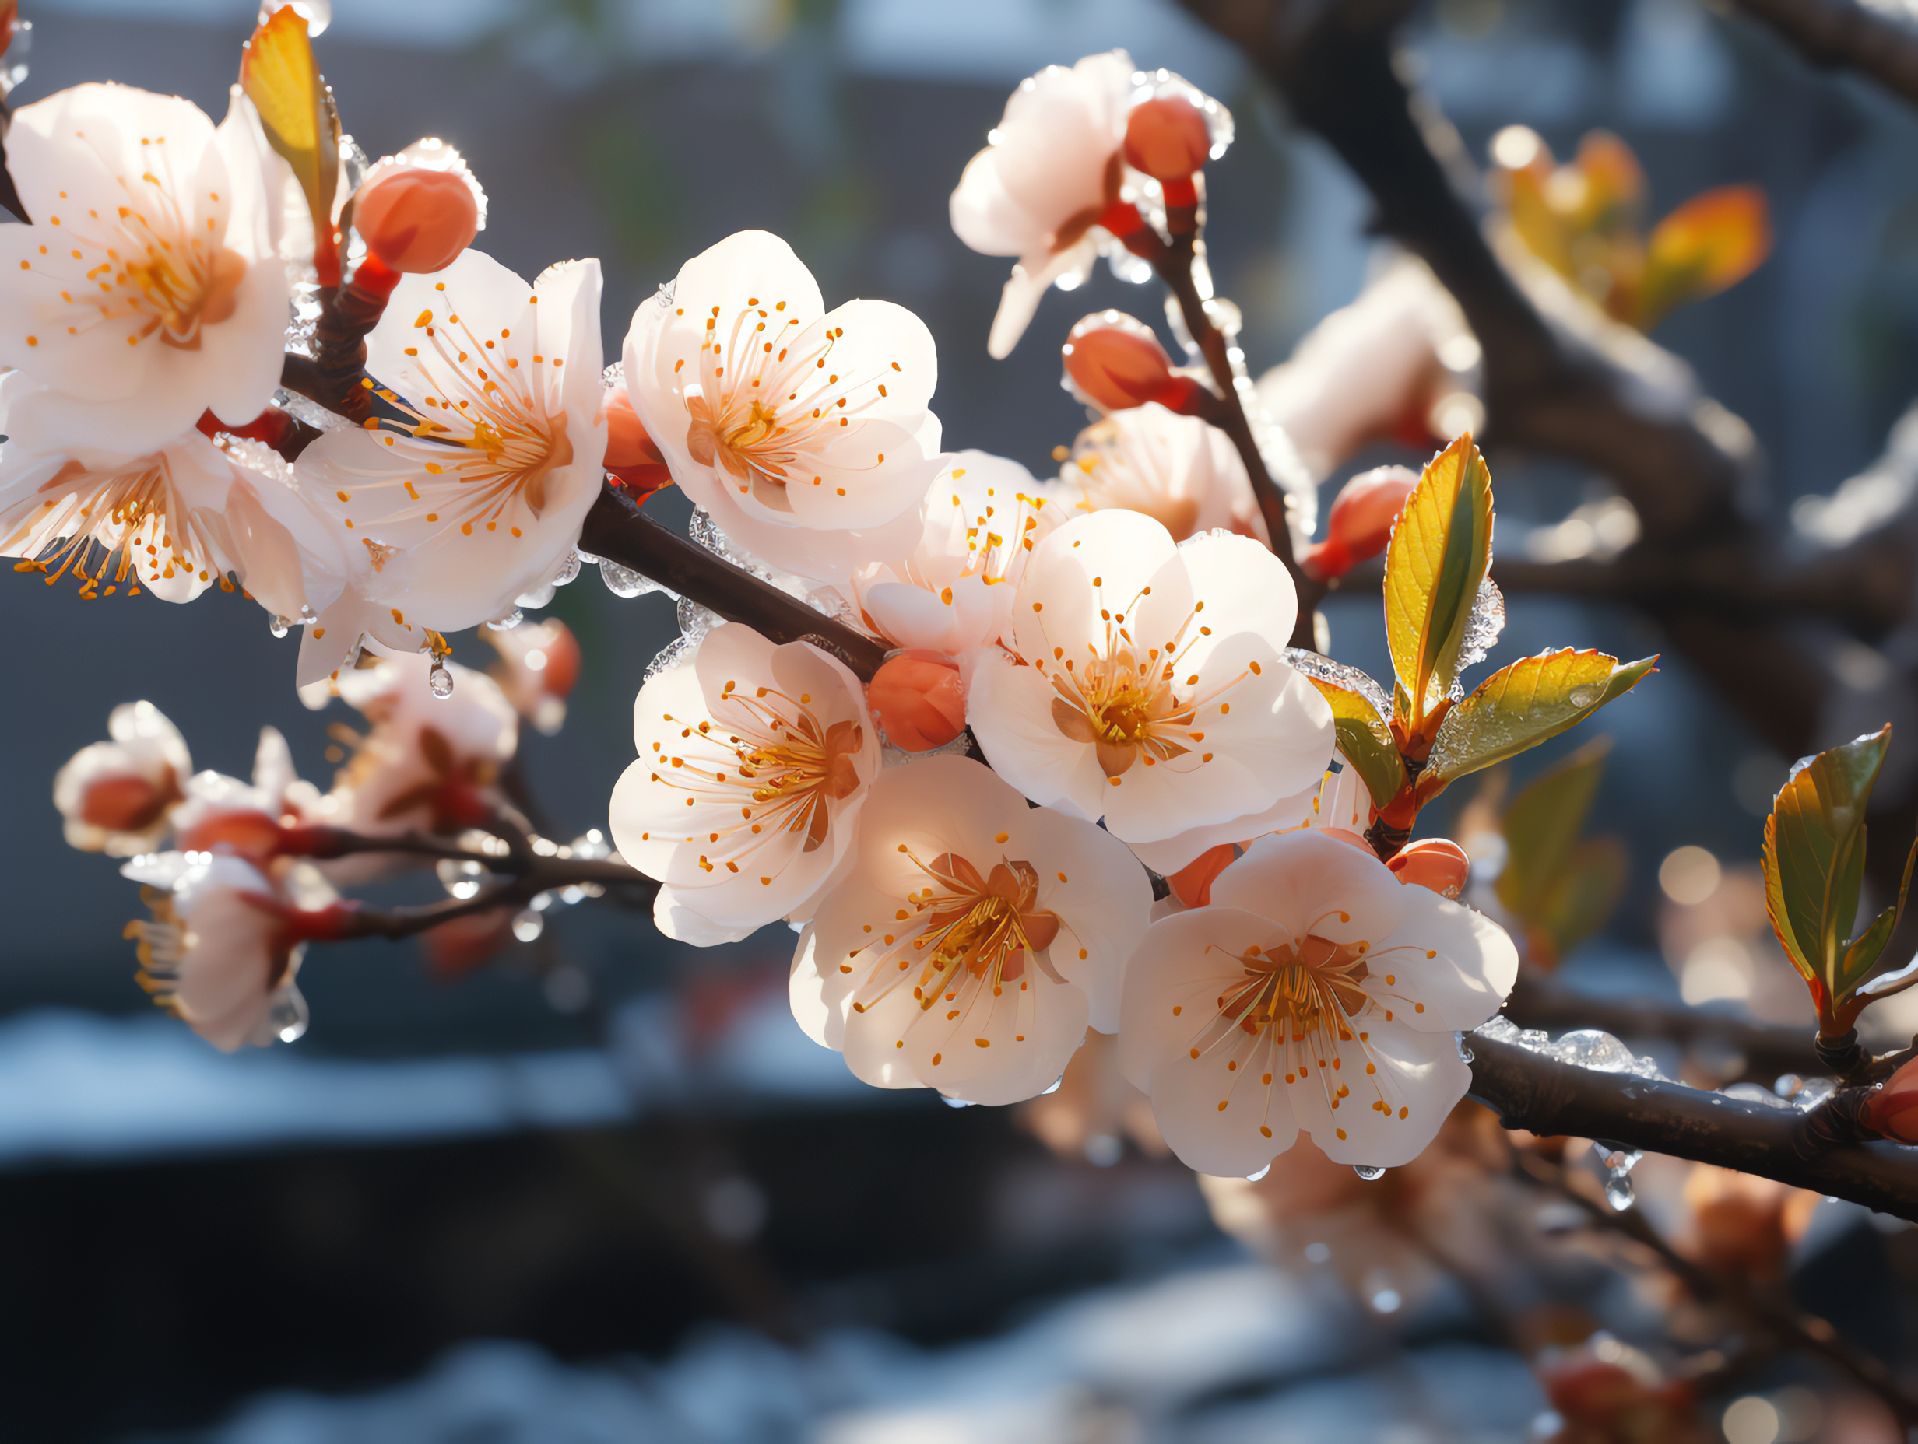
column 1114, row 363
column 242, row 832
column 1891, row 1110
column 1192, row 884
column 1436, row 863
column 1167, row 138
column 919, row 699
column 632, row 459
column 1360, row 522
column 417, row 218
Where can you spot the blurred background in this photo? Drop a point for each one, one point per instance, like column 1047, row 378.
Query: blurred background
column 604, row 1189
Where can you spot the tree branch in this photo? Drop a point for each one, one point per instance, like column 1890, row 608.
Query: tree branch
column 1805, row 1332
column 1544, row 1096
column 1767, row 1048
column 1879, row 40
column 622, row 533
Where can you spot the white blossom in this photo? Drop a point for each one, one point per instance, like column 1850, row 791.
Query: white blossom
column 754, row 761
column 477, row 493
column 1315, row 994
column 800, row 431
column 971, row 939
column 1181, row 471
column 115, row 796
column 147, row 289
column 1146, row 683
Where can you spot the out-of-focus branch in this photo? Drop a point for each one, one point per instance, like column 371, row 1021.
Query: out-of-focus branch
column 1766, row 1048
column 1878, row 40
column 9, row 193
column 1806, row 1333
column 1682, row 461
column 622, row 533
column 1820, row 1149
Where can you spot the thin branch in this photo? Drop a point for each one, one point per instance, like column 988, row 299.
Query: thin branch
column 1544, row 1096
column 1681, row 460
column 1806, row 1333
column 9, row 193
column 1876, row 40
column 1175, row 263
column 622, row 533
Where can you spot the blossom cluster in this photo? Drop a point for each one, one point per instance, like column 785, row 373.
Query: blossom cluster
column 1087, row 789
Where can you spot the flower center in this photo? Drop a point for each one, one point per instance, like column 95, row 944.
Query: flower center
column 1123, row 710
column 132, row 517
column 984, row 924
column 1298, row 989
column 185, row 288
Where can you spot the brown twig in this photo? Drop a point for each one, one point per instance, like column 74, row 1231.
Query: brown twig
column 1544, row 1096
column 1804, row 1332
column 1880, row 41
column 622, row 533
column 1540, row 1001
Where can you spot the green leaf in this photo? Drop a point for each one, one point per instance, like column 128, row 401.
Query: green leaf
column 1522, row 705
column 1585, row 894
column 1814, row 863
column 279, row 75
column 1364, row 740
column 1434, row 564
column 1541, row 826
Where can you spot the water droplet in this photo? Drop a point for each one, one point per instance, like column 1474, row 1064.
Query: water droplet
column 955, row 1102
column 1484, row 625
column 506, row 623
column 440, row 680
column 286, row 1015
column 568, row 570
column 1599, row 1051
column 279, row 626
column 1618, row 1191
column 1582, row 696
column 1255, row 1177
column 624, row 581
column 1367, row 1172
column 13, row 65
column 528, row 925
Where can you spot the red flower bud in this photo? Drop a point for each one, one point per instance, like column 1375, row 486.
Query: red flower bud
column 1115, row 363
column 417, row 218
column 1192, row 884
column 1360, row 522
column 1167, row 138
column 9, row 23
column 128, row 802
column 1892, row 1109
column 919, row 699
column 1433, row 862
column 631, row 457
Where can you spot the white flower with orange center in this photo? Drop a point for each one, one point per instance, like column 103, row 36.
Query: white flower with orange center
column 952, row 591
column 797, row 429
column 1315, row 994
column 220, row 951
column 972, row 938
column 474, row 494
column 1179, row 470
column 1051, row 167
column 1146, row 682
column 147, row 289
column 754, row 761
column 116, row 796
column 171, row 522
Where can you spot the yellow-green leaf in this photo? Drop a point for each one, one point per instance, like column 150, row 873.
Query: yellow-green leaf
column 1814, row 863
column 1364, row 740
column 1541, row 826
column 1522, row 705
column 1437, row 558
column 279, row 75
column 1712, row 241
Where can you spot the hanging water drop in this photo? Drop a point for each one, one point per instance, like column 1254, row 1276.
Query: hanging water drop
column 1618, row 1192
column 279, row 626
column 506, row 623
column 624, row 581
column 1367, row 1172
column 440, row 680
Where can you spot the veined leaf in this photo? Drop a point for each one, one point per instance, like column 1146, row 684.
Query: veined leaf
column 1814, row 862
column 1522, row 705
column 280, row 77
column 1439, row 551
column 1364, row 740
column 1541, row 826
